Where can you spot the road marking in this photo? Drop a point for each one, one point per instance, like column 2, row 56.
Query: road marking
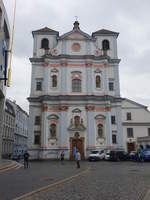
column 52, row 185
column 14, row 166
column 147, row 195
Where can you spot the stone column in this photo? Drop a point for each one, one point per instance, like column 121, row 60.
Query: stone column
column 63, row 83
column 46, row 84
column 89, row 76
column 63, row 132
column 91, row 135
column 44, row 127
column 108, row 129
column 119, row 126
column 105, row 81
column 117, row 84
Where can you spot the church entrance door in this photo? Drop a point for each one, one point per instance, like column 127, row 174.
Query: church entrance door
column 79, row 144
column 130, row 147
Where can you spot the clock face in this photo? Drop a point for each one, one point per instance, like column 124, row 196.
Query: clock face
column 76, row 47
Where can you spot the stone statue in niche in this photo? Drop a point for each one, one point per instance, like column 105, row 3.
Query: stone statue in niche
column 100, row 131
column 53, row 131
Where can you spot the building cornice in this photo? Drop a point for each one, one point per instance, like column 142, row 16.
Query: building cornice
column 75, row 57
column 136, row 123
column 74, row 98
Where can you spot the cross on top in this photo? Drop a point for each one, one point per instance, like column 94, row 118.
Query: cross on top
column 76, row 17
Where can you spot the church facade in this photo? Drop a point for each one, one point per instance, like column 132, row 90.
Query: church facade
column 75, row 93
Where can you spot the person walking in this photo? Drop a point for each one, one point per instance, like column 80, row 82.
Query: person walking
column 62, row 155
column 26, row 159
column 74, row 152
column 78, row 158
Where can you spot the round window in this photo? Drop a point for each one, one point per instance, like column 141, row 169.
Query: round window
column 76, row 47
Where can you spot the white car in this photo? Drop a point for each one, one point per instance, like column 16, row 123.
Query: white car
column 107, row 155
column 96, row 155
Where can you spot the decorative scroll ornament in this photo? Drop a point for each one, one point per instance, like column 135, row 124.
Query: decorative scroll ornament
column 54, row 52
column 100, row 140
column 97, row 52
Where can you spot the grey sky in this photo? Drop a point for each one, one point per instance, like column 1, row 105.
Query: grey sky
column 130, row 18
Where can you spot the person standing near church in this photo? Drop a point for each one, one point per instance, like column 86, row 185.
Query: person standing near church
column 78, row 158
column 26, row 159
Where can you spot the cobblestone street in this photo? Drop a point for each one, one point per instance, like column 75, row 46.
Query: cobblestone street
column 103, row 181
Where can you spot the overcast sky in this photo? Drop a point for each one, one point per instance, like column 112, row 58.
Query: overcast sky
column 129, row 17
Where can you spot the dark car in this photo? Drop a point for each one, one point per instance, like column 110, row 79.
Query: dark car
column 118, row 155
column 146, row 155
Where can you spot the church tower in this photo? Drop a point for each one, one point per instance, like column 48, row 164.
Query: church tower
column 75, row 93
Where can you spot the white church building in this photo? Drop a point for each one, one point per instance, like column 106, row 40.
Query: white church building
column 75, row 94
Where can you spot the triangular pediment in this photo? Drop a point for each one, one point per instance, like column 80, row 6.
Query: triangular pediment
column 76, row 35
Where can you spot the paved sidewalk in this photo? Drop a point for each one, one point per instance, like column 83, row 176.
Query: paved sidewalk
column 5, row 163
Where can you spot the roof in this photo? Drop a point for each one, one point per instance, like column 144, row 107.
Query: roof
column 45, row 30
column 105, row 32
column 135, row 103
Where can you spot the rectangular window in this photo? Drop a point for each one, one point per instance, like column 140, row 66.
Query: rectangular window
column 39, row 86
column 76, row 85
column 37, row 120
column 130, row 132
column 37, row 137
column 114, row 139
column 148, row 131
column 128, row 116
column 113, row 119
column 111, row 86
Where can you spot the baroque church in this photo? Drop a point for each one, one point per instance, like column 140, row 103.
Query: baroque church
column 75, row 93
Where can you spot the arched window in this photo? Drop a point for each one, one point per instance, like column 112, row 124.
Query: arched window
column 98, row 81
column 76, row 85
column 100, row 130
column 77, row 121
column 54, row 81
column 45, row 44
column 105, row 45
column 53, row 130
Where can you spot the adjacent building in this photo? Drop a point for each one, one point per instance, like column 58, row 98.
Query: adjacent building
column 20, row 130
column 4, row 47
column 136, row 125
column 8, row 131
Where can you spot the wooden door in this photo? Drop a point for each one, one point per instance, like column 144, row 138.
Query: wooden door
column 130, row 147
column 78, row 143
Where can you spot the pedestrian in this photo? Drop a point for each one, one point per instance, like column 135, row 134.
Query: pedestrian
column 78, row 158
column 74, row 152
column 26, row 159
column 62, row 155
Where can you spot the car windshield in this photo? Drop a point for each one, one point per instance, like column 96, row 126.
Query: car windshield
column 94, row 152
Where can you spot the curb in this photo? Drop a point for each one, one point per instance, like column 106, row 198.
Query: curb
column 147, row 195
column 42, row 189
column 13, row 165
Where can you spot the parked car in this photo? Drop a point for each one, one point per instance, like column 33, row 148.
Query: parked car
column 146, row 155
column 107, row 155
column 133, row 156
column 118, row 155
column 96, row 155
